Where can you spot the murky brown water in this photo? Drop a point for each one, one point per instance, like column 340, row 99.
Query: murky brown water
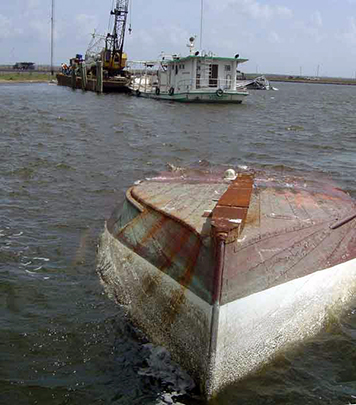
column 65, row 160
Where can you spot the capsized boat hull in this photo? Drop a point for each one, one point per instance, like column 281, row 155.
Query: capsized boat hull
column 226, row 274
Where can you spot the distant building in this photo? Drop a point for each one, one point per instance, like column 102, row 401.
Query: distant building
column 24, row 65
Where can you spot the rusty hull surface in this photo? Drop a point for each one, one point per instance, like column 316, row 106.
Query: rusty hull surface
column 274, row 230
column 188, row 245
column 109, row 86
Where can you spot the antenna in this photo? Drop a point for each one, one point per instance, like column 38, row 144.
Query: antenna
column 201, row 25
column 52, row 29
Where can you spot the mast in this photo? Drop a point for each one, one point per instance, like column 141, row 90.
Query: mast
column 115, row 40
column 52, row 30
column 201, row 25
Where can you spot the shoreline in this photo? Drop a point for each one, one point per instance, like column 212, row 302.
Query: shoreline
column 6, row 81
column 339, row 82
column 320, row 81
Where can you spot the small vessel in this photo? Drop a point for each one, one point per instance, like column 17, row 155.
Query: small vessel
column 198, row 77
column 226, row 268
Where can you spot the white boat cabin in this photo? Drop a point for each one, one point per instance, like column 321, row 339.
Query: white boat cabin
column 194, row 73
column 197, row 77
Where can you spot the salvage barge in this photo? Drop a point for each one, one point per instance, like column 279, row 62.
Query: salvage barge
column 104, row 70
column 116, row 85
column 227, row 270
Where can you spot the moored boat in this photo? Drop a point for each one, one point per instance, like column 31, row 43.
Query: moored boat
column 225, row 269
column 198, row 77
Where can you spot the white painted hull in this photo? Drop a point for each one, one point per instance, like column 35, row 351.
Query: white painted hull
column 185, row 333
column 233, row 97
column 219, row 345
column 252, row 330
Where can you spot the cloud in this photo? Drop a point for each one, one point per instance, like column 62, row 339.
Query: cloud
column 283, row 11
column 5, row 27
column 349, row 35
column 256, row 10
column 312, row 28
column 274, row 38
column 40, row 28
column 31, row 4
column 317, row 19
column 85, row 25
column 144, row 43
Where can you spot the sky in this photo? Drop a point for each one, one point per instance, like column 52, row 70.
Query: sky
column 277, row 36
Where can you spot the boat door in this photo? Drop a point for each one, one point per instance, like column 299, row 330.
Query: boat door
column 213, row 77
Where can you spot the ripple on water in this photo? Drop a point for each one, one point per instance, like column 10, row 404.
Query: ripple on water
column 66, row 160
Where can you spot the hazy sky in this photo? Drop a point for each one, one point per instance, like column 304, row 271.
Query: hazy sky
column 277, row 36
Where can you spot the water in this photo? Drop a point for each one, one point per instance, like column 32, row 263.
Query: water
column 66, row 159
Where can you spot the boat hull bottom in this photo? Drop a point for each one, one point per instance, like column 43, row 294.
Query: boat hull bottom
column 226, row 98
column 223, row 344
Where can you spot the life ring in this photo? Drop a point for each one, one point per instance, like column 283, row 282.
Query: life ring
column 157, row 91
column 171, row 91
column 138, row 93
column 219, row 93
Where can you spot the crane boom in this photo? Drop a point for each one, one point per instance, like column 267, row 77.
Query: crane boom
column 114, row 42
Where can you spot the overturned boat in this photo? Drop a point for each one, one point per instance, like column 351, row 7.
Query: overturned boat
column 228, row 268
column 260, row 83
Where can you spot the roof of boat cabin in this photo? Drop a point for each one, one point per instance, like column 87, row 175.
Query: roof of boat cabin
column 276, row 203
column 213, row 58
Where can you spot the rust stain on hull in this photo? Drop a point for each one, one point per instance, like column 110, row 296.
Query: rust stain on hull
column 277, row 231
column 262, row 232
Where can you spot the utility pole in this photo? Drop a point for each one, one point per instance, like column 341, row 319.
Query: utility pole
column 52, row 31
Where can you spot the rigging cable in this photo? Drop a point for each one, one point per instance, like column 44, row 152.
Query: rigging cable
column 110, row 19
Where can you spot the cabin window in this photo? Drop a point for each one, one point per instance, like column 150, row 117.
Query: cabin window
column 227, row 68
